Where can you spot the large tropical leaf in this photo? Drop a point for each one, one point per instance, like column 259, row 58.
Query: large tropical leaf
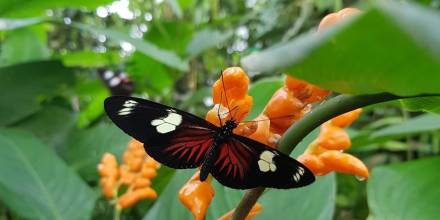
column 29, row 8
column 23, row 86
column 84, row 148
column 36, row 184
column 371, row 53
column 405, row 191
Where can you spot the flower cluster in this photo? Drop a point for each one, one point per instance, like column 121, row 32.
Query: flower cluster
column 134, row 174
column 325, row 153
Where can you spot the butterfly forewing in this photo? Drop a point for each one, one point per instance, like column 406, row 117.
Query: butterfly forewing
column 172, row 137
column 244, row 163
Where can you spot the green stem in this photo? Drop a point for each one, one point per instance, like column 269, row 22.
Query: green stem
column 294, row 135
column 116, row 213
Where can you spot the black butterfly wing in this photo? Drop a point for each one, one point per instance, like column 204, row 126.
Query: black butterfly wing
column 172, row 137
column 244, row 163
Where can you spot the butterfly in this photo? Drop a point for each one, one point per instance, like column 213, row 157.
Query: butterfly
column 181, row 140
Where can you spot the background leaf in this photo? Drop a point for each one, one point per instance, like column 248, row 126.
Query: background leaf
column 206, row 39
column 32, row 43
column 405, row 191
column 24, row 85
column 377, row 43
column 52, row 124
column 164, row 56
column 30, row 8
column 84, row 148
column 36, row 184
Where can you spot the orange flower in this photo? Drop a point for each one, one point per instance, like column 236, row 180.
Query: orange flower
column 197, row 195
column 325, row 153
column 135, row 173
column 336, row 17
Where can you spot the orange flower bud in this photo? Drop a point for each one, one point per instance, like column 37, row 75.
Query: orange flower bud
column 197, row 195
column 344, row 163
column 333, row 18
column 333, row 138
column 128, row 199
column 148, row 172
column 236, row 84
column 284, row 109
column 348, row 12
column 256, row 209
column 315, row 164
column 145, row 193
column 262, row 133
column 317, row 94
column 141, row 183
column 346, row 119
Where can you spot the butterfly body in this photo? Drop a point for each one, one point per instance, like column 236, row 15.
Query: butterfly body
column 222, row 134
column 181, row 140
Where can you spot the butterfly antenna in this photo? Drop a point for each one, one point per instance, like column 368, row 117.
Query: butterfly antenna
column 269, row 119
column 224, row 89
column 218, row 109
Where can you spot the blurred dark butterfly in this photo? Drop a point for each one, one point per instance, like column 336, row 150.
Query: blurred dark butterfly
column 181, row 140
column 117, row 82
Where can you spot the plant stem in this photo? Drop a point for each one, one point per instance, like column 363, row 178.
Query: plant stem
column 116, row 213
column 294, row 135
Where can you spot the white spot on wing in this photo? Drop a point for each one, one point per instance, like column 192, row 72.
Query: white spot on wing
column 300, row 171
column 173, row 118
column 266, row 162
column 165, row 128
column 167, row 124
column 128, row 107
column 263, row 165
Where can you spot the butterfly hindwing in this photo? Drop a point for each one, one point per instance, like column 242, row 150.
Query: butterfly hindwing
column 172, row 137
column 244, row 163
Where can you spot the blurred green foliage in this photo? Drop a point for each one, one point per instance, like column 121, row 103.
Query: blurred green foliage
column 54, row 130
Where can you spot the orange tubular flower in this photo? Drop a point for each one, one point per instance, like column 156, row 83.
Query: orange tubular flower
column 135, row 173
column 325, row 153
column 336, row 17
column 197, row 195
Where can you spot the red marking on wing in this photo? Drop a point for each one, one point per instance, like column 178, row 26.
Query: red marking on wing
column 234, row 156
column 190, row 143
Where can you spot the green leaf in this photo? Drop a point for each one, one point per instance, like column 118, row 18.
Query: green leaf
column 36, row 184
column 23, row 45
column 24, row 85
column 224, row 200
column 278, row 204
column 85, row 148
column 261, row 92
column 163, row 34
column 405, row 191
column 164, row 56
column 429, row 104
column 148, row 74
column 29, row 8
column 206, row 39
column 175, row 7
column 314, row 202
column 10, row 24
column 377, row 51
column 419, row 124
column 89, row 59
column 51, row 124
